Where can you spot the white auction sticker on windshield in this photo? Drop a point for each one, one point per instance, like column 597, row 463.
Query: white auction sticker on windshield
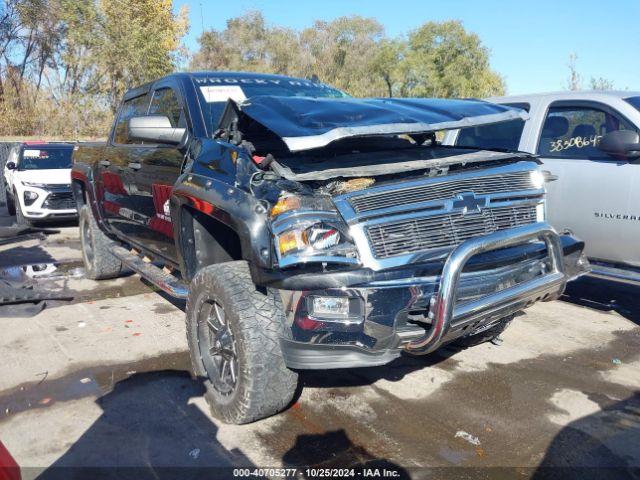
column 222, row 93
column 31, row 153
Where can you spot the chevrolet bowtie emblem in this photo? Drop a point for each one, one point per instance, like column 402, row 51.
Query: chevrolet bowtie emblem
column 468, row 203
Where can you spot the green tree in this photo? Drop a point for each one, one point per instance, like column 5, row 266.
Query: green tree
column 343, row 52
column 248, row 44
column 444, row 60
column 65, row 64
column 353, row 54
column 139, row 41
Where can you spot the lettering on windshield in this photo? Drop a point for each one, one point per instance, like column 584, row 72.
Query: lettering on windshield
column 258, row 81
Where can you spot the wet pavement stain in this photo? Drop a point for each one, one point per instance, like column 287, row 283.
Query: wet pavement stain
column 506, row 406
column 95, row 380
column 66, row 277
column 163, row 308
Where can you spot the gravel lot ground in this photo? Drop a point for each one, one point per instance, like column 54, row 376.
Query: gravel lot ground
column 103, row 380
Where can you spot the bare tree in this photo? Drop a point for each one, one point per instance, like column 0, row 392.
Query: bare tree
column 574, row 82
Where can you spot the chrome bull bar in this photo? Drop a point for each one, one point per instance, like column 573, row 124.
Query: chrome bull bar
column 445, row 312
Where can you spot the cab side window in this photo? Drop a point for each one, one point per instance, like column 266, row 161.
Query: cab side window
column 130, row 108
column 165, row 102
column 574, row 132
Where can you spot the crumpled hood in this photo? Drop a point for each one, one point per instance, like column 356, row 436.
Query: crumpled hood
column 305, row 123
column 53, row 176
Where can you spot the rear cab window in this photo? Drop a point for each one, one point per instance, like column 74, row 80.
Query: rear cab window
column 574, row 131
column 499, row 136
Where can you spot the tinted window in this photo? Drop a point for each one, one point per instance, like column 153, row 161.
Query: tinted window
column 574, row 132
column 130, row 108
column 213, row 104
column 36, row 158
column 524, row 106
column 165, row 102
column 635, row 101
column 500, row 136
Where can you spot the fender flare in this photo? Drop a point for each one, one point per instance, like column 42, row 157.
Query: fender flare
column 229, row 205
column 83, row 174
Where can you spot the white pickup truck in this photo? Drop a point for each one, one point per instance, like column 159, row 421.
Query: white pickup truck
column 589, row 143
column 37, row 180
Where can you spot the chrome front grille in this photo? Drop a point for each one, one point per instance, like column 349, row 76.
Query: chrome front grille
column 436, row 231
column 482, row 185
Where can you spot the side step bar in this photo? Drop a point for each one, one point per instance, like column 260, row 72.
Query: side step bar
column 161, row 279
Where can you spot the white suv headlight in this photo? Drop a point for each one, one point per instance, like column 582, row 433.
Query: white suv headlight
column 33, row 184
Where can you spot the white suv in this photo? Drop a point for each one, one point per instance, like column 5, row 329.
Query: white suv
column 38, row 182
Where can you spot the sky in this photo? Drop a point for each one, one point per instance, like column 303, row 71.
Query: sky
column 529, row 41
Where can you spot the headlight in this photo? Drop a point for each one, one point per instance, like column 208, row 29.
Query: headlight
column 290, row 201
column 318, row 242
column 537, row 179
column 318, row 238
column 33, row 184
column 29, row 197
column 318, row 234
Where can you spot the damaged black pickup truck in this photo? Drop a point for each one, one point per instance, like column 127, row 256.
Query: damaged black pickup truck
column 310, row 230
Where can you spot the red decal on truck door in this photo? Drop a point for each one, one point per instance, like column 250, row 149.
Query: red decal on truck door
column 161, row 222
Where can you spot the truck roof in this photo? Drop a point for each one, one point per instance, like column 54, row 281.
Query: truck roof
column 567, row 95
column 202, row 76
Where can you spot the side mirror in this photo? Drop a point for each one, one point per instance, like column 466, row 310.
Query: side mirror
column 155, row 129
column 11, row 165
column 621, row 144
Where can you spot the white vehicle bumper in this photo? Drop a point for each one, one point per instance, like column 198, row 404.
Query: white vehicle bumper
column 52, row 204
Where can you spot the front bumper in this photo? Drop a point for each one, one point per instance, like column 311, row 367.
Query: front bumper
column 55, row 204
column 422, row 307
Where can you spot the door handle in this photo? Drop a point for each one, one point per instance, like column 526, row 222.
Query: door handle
column 135, row 166
column 104, row 163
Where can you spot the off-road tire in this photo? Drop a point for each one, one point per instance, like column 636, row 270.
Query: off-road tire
column 99, row 262
column 20, row 218
column 485, row 335
column 264, row 385
column 11, row 206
